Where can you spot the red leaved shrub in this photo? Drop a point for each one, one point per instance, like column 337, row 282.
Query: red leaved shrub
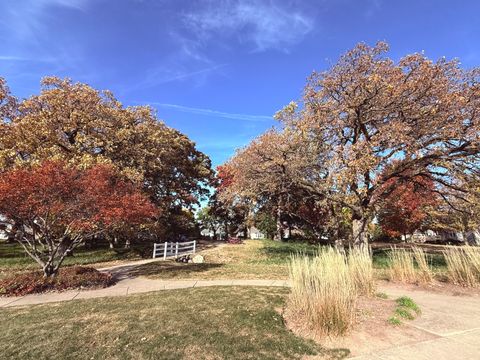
column 74, row 277
column 234, row 240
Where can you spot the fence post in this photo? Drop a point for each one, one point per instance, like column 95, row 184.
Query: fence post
column 154, row 250
column 176, row 249
column 194, row 245
column 165, row 250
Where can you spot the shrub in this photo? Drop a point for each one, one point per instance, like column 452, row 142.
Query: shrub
column 463, row 265
column 323, row 291
column 234, row 240
column 68, row 278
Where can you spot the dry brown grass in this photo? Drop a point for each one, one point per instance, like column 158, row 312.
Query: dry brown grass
column 424, row 273
column 325, row 288
column 361, row 269
column 463, row 265
column 402, row 266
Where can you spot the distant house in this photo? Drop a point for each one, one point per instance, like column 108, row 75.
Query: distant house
column 4, row 226
column 252, row 233
column 256, row 234
column 471, row 237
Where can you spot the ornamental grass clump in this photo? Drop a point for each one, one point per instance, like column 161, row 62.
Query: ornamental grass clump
column 463, row 265
column 361, row 270
column 402, row 266
column 424, row 273
column 324, row 292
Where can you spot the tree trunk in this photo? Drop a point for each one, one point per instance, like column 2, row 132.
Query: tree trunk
column 225, row 224
column 279, row 230
column 49, row 271
column 12, row 233
column 359, row 232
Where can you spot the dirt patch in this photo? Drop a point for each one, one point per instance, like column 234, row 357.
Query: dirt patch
column 371, row 331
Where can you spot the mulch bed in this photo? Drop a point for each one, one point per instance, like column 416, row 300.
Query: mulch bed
column 74, row 277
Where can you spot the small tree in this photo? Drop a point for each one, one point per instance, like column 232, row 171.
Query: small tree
column 208, row 220
column 56, row 207
column 266, row 223
column 405, row 209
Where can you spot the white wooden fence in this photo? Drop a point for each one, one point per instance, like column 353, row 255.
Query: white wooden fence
column 168, row 249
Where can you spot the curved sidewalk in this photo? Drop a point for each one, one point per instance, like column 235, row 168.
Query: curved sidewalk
column 130, row 286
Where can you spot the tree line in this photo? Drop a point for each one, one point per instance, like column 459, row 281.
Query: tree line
column 372, row 140
column 76, row 163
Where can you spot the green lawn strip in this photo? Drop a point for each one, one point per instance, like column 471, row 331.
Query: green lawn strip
column 14, row 259
column 254, row 259
column 202, row 323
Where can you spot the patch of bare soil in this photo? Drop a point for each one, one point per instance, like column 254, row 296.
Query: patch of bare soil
column 371, row 331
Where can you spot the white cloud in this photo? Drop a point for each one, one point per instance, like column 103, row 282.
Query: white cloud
column 264, row 24
column 215, row 113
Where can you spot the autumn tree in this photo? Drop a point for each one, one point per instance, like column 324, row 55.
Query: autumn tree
column 231, row 210
column 406, row 206
column 56, row 207
column 83, row 126
column 267, row 171
column 369, row 111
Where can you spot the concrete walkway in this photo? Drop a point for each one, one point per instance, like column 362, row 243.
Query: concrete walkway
column 129, row 286
column 448, row 329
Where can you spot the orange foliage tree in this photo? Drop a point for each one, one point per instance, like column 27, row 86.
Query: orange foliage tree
column 56, row 207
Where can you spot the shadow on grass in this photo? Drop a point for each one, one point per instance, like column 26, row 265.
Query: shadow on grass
column 280, row 252
column 381, row 259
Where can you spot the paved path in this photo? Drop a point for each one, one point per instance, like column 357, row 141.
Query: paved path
column 128, row 287
column 448, row 329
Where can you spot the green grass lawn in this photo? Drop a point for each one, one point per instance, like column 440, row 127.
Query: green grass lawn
column 14, row 259
column 202, row 323
column 254, row 259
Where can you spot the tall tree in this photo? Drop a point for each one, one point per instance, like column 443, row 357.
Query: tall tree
column 267, row 170
column 368, row 111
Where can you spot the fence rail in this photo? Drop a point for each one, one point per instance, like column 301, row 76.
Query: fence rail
column 169, row 249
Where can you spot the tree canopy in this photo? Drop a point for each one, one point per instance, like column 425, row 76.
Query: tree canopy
column 83, row 126
column 365, row 121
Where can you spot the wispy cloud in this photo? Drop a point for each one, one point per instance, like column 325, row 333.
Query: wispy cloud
column 164, row 74
column 215, row 113
column 161, row 76
column 264, row 24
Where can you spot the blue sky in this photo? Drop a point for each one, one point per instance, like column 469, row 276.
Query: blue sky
column 217, row 70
